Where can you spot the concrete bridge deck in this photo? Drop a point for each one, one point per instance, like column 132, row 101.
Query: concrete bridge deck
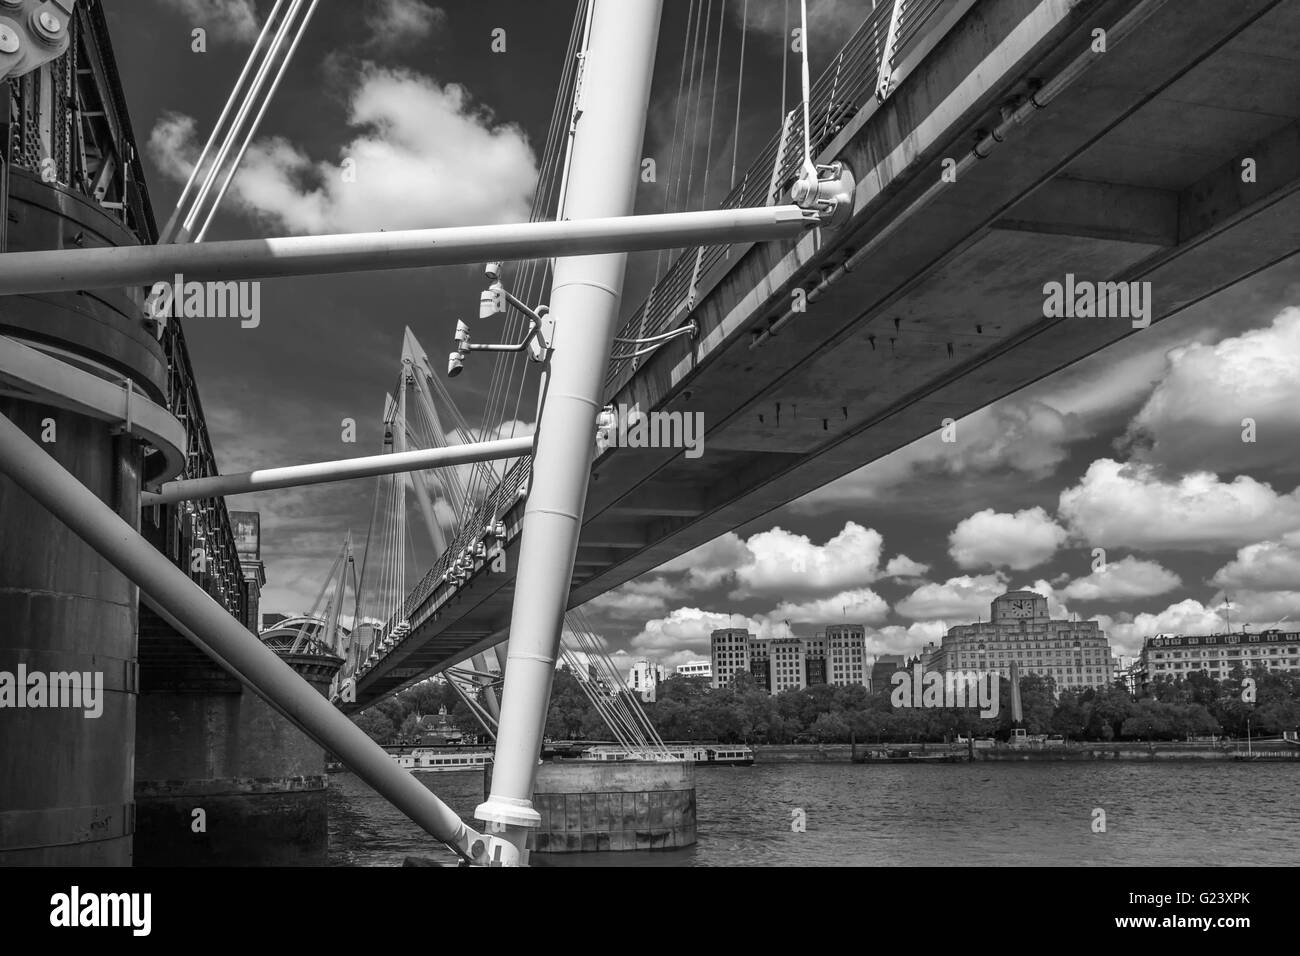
column 1131, row 170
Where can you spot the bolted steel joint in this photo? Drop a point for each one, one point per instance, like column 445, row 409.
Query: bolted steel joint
column 831, row 195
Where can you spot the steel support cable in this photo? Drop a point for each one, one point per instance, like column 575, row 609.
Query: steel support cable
column 517, row 324
column 635, row 712
column 615, row 720
column 694, row 125
column 458, row 422
column 785, row 56
column 571, row 659
column 713, row 108
column 434, row 482
column 677, row 119
column 394, row 557
column 810, row 170
column 365, row 560
column 559, row 113
column 168, row 233
column 257, row 120
column 678, row 175
column 254, row 94
column 301, row 634
column 381, row 545
column 740, row 89
column 613, row 717
column 587, row 12
column 582, row 620
column 390, row 558
column 596, row 655
column 602, row 705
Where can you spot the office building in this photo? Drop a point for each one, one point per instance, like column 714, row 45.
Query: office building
column 730, row 652
column 1075, row 654
column 846, row 654
column 1177, row 655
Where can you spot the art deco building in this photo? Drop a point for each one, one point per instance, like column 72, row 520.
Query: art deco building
column 1075, row 653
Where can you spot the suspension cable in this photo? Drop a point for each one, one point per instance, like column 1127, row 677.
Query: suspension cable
column 257, row 120
column 740, row 89
column 713, row 108
column 168, row 233
column 259, row 81
column 810, row 170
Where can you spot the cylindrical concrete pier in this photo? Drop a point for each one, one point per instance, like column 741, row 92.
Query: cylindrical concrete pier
column 65, row 765
column 66, row 774
column 594, row 806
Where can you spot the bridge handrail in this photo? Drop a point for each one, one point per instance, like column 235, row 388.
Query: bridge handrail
column 839, row 92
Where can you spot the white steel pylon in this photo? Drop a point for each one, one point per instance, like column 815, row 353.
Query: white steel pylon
column 609, row 129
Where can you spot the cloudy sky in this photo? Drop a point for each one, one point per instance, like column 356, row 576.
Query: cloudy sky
column 1138, row 450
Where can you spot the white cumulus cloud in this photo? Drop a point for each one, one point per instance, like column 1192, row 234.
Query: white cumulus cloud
column 1196, row 417
column 1126, row 632
column 1268, row 564
column 961, row 600
column 423, row 155
column 710, row 564
column 901, row 566
column 688, row 629
column 1018, row 541
column 635, row 599
column 859, row 606
column 1134, row 506
column 1122, row 580
column 781, row 562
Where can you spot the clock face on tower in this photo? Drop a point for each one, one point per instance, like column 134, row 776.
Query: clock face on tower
column 1020, row 608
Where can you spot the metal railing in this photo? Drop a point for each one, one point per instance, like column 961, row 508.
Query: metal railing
column 843, row 88
column 204, row 524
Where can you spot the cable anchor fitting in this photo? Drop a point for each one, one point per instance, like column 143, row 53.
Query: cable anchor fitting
column 831, row 196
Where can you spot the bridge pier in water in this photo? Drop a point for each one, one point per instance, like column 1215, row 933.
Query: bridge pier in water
column 223, row 779
column 594, row 806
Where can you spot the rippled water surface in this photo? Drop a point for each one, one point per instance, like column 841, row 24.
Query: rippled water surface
column 957, row 814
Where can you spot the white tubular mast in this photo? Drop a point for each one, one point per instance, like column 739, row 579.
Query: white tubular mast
column 72, row 270
column 585, row 297
column 326, row 471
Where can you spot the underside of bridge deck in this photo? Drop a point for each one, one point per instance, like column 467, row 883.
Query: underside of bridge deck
column 1173, row 158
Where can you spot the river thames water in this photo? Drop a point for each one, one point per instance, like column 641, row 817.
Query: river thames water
column 981, row 814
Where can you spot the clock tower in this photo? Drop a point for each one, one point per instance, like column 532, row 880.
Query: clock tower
column 1019, row 606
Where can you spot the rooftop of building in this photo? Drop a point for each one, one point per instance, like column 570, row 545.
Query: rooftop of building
column 1236, row 637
